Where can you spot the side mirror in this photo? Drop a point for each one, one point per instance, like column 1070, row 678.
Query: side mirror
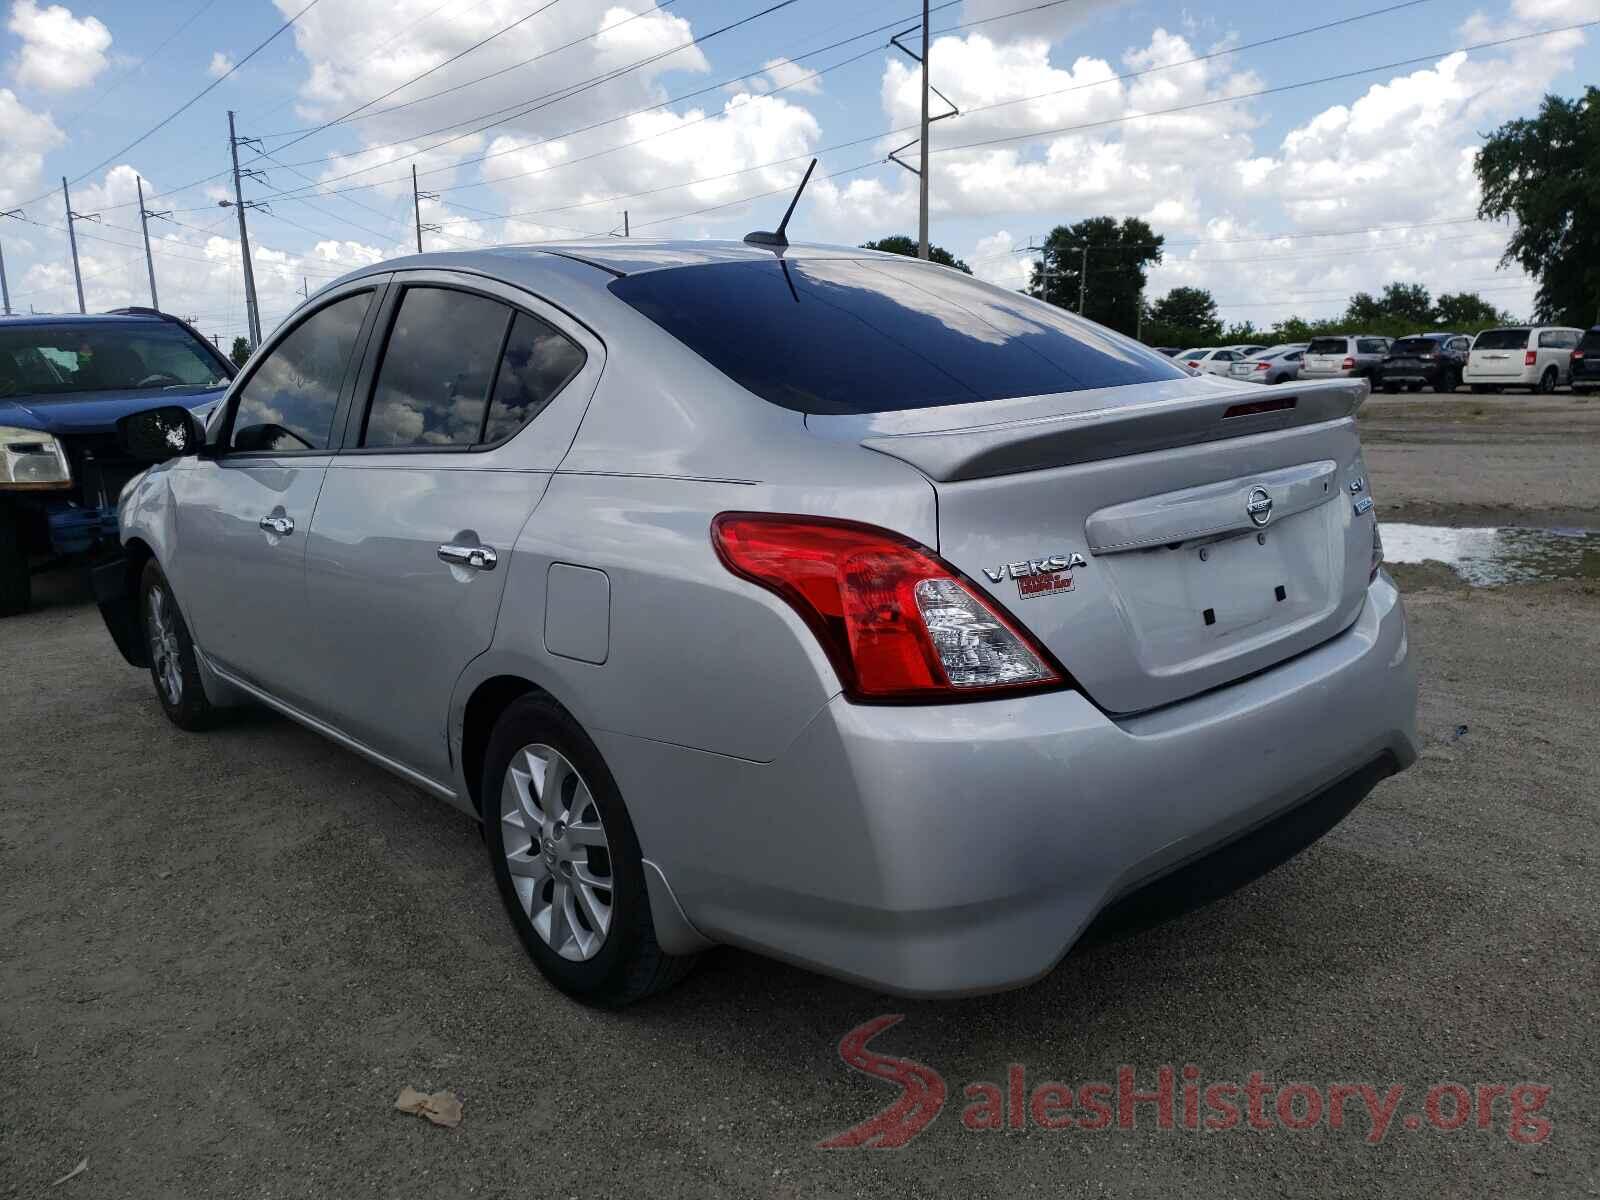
column 157, row 434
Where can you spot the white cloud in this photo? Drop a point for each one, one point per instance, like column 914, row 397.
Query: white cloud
column 59, row 51
column 25, row 137
column 220, row 65
column 784, row 73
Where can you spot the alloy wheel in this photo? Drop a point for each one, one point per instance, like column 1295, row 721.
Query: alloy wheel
column 557, row 852
column 162, row 631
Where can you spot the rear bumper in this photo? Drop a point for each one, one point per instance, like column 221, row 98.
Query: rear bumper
column 1511, row 377
column 943, row 851
column 1427, row 375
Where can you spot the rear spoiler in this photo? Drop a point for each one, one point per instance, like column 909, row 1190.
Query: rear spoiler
column 1061, row 439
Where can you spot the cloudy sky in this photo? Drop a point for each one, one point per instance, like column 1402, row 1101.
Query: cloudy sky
column 1290, row 157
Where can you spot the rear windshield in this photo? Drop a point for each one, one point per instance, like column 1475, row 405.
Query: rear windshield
column 1327, row 346
column 1502, row 339
column 1414, row 346
column 1591, row 341
column 865, row 336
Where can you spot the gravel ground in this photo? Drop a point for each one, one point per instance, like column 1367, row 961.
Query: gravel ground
column 222, row 956
column 1512, row 459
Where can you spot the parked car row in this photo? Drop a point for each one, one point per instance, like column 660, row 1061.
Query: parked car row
column 1538, row 357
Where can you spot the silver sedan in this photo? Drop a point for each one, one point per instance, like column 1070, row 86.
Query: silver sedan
column 827, row 603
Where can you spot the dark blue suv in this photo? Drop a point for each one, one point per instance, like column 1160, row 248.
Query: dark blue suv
column 64, row 382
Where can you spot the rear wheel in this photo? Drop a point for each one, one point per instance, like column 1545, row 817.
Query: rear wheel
column 1548, row 381
column 1447, row 382
column 567, row 860
column 173, row 667
column 15, row 587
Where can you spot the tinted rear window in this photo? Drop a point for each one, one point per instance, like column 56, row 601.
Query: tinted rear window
column 861, row 336
column 1327, row 346
column 1414, row 346
column 1502, row 339
column 1591, row 341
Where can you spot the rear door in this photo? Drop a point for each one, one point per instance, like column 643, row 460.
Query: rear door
column 243, row 516
column 1498, row 354
column 1555, row 350
column 1325, row 356
column 471, row 397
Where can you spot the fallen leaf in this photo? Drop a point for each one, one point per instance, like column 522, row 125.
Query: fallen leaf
column 77, row 1170
column 442, row 1108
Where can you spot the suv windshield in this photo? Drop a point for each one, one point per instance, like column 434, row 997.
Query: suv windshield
column 823, row 335
column 1502, row 339
column 57, row 360
column 1327, row 346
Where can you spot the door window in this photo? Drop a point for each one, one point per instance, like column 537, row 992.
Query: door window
column 289, row 401
column 1372, row 346
column 433, row 384
column 462, row 370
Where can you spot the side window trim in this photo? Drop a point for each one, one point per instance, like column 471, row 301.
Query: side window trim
column 378, row 286
column 365, row 384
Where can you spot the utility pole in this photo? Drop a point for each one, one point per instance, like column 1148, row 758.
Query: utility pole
column 1083, row 280
column 144, row 227
column 921, row 171
column 5, row 290
column 72, row 239
column 252, row 312
column 625, row 232
column 922, row 180
column 305, row 287
column 417, row 197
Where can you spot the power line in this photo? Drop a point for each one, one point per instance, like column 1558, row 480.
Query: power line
column 189, row 103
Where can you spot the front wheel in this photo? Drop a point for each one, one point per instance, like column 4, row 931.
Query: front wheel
column 567, row 860
column 15, row 584
column 174, row 669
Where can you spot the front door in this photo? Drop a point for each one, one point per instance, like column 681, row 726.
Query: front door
column 244, row 513
column 410, row 546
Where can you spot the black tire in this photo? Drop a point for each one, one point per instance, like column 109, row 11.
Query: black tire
column 629, row 964
column 1549, row 381
column 15, row 583
column 189, row 709
column 1447, row 383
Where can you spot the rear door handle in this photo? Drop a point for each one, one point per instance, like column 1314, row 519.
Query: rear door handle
column 479, row 558
column 282, row 526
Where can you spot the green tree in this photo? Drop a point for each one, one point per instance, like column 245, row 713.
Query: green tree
column 1186, row 315
column 1118, row 252
column 1467, row 312
column 900, row 244
column 1243, row 333
column 240, row 351
column 1408, row 302
column 1364, row 309
column 1544, row 172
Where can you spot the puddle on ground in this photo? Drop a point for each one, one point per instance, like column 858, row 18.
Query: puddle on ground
column 1484, row 557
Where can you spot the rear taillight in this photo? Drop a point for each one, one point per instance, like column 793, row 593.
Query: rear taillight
column 897, row 621
column 1349, row 364
column 1193, row 363
column 1576, row 355
column 1530, row 359
column 1263, row 366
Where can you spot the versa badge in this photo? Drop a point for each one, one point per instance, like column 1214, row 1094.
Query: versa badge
column 1039, row 576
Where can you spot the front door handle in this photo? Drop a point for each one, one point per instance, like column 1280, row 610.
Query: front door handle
column 282, row 526
column 479, row 558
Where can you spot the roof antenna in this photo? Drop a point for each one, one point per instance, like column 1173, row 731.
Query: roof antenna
column 761, row 237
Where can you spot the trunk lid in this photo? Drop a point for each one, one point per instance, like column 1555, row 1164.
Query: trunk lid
column 1159, row 540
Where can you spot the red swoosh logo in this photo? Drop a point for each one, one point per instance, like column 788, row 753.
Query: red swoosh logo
column 921, row 1097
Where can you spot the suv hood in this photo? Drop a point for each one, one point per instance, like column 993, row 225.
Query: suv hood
column 98, row 412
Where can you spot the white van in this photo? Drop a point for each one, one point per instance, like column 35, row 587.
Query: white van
column 1522, row 356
